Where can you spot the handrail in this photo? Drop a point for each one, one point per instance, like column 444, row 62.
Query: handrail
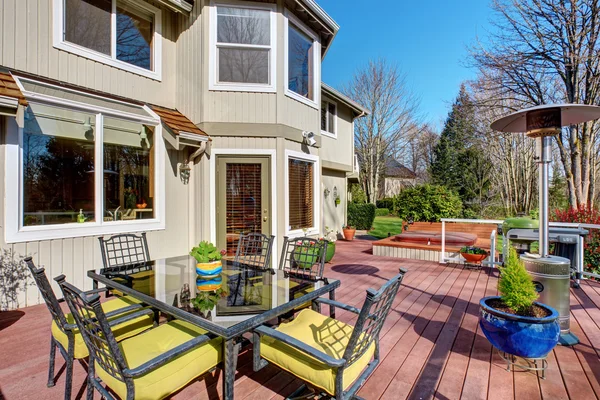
column 469, row 221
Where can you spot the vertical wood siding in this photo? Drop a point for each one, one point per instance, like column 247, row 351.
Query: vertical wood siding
column 341, row 149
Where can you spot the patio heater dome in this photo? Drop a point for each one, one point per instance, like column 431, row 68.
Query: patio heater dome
column 551, row 273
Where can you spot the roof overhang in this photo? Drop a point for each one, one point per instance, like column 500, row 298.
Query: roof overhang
column 8, row 106
column 342, row 98
column 241, row 129
column 180, row 6
column 317, row 19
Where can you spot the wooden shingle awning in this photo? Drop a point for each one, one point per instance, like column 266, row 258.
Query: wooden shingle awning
column 177, row 122
column 9, row 88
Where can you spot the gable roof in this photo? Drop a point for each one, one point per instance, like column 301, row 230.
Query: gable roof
column 176, row 121
column 342, row 98
column 394, row 169
column 9, row 88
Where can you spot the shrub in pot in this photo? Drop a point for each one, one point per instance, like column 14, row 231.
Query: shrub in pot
column 208, row 259
column 473, row 254
column 514, row 322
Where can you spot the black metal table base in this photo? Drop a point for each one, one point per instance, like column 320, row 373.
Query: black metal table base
column 531, row 364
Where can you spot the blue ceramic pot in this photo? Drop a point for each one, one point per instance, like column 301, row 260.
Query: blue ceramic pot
column 527, row 337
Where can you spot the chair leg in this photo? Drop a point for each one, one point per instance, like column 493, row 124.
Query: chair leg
column 69, row 372
column 90, row 379
column 51, row 382
column 303, row 392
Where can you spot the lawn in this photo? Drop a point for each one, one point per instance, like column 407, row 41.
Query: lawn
column 384, row 225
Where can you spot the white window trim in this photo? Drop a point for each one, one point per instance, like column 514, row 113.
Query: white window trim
column 60, row 44
column 213, row 184
column 214, row 84
column 326, row 133
column 15, row 232
column 313, row 230
column 316, row 103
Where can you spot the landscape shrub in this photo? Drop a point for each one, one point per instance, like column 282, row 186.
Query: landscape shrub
column 427, row 203
column 515, row 285
column 361, row 216
column 591, row 253
column 382, row 212
column 357, row 195
column 386, row 202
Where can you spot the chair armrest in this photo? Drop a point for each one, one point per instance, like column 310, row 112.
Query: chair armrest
column 94, row 291
column 166, row 357
column 303, row 347
column 124, row 310
column 337, row 304
column 129, row 317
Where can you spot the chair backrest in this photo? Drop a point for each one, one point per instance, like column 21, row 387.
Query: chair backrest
column 124, row 249
column 94, row 328
column 43, row 284
column 254, row 249
column 372, row 316
column 303, row 257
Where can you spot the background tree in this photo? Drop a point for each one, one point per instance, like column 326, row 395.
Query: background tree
column 381, row 88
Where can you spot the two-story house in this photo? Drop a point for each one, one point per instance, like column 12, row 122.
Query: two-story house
column 189, row 120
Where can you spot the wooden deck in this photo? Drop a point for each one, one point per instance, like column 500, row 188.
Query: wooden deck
column 430, row 346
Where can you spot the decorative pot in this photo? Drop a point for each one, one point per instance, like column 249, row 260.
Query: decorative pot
column 209, row 269
column 527, row 337
column 209, row 285
column 330, row 251
column 349, row 233
column 473, row 258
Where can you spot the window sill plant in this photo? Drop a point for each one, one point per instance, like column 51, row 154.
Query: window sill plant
column 349, row 232
column 514, row 322
column 473, row 254
column 208, row 259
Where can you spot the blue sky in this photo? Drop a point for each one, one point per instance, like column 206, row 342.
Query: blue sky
column 427, row 39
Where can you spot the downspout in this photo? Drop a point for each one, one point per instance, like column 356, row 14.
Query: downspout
column 192, row 192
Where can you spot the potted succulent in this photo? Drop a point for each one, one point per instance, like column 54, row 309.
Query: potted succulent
column 473, row 254
column 349, row 232
column 206, row 301
column 514, row 322
column 331, row 237
column 208, row 259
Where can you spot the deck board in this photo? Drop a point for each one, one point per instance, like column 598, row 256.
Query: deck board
column 431, row 346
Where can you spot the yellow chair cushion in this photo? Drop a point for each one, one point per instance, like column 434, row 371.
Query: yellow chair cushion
column 173, row 375
column 322, row 333
column 143, row 282
column 121, row 331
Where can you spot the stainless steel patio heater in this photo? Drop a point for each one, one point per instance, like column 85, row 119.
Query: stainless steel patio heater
column 551, row 274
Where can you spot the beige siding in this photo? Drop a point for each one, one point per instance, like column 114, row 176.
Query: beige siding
column 240, row 107
column 334, row 216
column 26, row 45
column 341, row 149
column 298, row 115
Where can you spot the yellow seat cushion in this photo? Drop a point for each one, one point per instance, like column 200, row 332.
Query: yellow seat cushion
column 322, row 333
column 121, row 331
column 173, row 375
column 143, row 282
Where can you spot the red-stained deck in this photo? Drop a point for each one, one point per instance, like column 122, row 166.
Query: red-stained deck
column 430, row 345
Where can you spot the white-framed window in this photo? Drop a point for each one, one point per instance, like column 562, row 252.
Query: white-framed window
column 302, row 58
column 328, row 118
column 121, row 33
column 83, row 169
column 302, row 182
column 242, row 54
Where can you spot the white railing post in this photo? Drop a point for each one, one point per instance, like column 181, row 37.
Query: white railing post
column 443, row 255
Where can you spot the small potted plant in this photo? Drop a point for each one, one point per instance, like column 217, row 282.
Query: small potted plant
column 349, row 232
column 473, row 254
column 208, row 259
column 514, row 322
column 306, row 254
column 337, row 201
column 331, row 237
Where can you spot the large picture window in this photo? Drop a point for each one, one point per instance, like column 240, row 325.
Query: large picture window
column 302, row 181
column 121, row 33
column 242, row 54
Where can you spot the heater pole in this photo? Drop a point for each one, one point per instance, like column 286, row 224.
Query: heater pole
column 544, row 145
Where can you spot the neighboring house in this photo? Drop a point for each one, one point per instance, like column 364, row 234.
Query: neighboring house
column 396, row 178
column 190, row 120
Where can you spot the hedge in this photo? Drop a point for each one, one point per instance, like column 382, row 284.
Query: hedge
column 387, row 202
column 382, row 212
column 361, row 216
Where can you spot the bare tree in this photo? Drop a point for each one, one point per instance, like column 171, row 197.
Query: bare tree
column 420, row 150
column 381, row 88
column 546, row 51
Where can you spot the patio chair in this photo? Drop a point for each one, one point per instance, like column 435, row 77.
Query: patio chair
column 254, row 250
column 64, row 333
column 329, row 355
column 303, row 257
column 151, row 365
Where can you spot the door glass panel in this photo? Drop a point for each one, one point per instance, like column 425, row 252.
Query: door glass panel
column 243, row 199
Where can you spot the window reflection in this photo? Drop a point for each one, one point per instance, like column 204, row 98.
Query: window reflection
column 300, row 63
column 134, row 36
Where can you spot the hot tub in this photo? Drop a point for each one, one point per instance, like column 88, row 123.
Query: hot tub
column 433, row 238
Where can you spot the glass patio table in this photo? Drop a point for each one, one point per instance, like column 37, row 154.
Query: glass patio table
column 248, row 297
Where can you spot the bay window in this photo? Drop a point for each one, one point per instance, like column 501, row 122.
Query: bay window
column 121, row 33
column 243, row 48
column 328, row 118
column 302, row 182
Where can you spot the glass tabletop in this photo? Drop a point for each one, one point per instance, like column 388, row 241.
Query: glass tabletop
column 227, row 297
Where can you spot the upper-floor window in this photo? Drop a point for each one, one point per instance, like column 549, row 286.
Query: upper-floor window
column 328, row 118
column 243, row 48
column 120, row 33
column 302, row 61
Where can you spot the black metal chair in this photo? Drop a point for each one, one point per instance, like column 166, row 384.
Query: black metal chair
column 303, row 257
column 124, row 249
column 331, row 356
column 64, row 333
column 153, row 364
column 254, row 250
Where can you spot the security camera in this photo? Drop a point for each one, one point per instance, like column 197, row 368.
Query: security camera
column 309, row 138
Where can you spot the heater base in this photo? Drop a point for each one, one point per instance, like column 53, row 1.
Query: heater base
column 568, row 339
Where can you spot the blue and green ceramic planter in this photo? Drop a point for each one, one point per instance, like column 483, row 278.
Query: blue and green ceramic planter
column 527, row 337
column 209, row 269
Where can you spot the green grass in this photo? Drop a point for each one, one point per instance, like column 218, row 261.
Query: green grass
column 384, row 225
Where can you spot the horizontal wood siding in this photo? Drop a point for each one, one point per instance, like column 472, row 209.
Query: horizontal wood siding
column 26, row 45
